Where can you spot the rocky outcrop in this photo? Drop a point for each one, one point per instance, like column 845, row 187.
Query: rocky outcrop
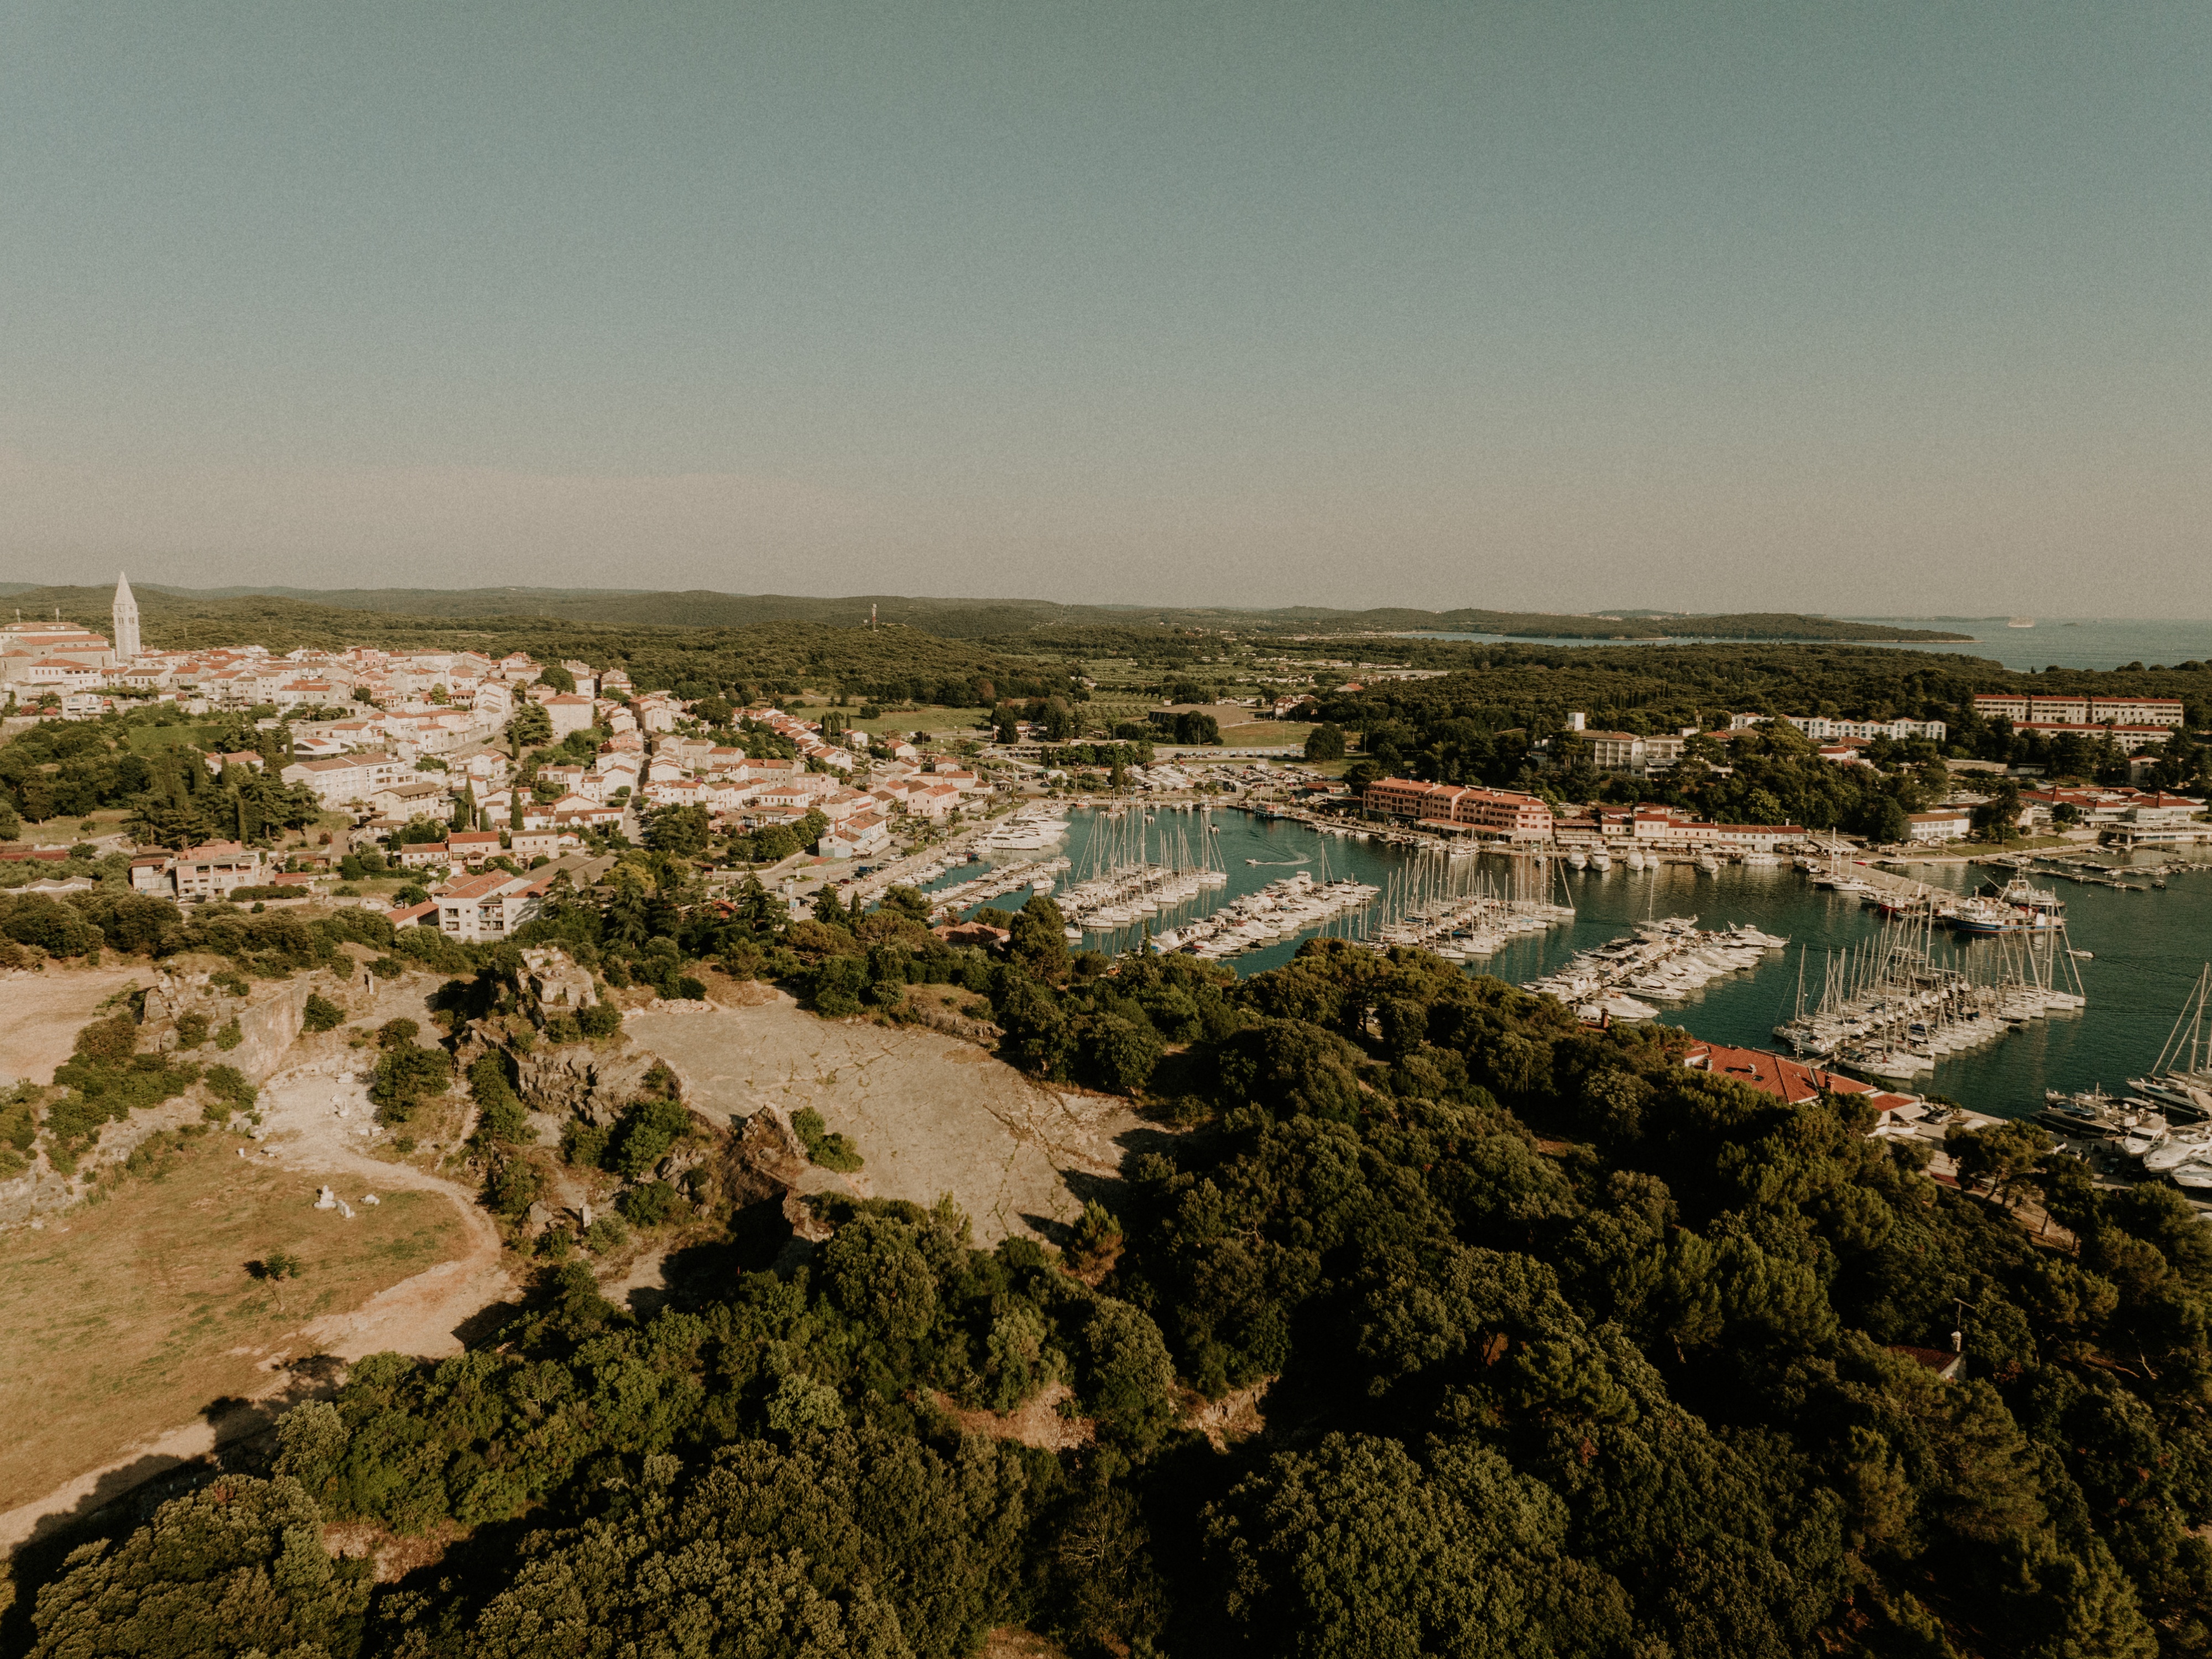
column 269, row 1018
column 552, row 979
column 39, row 1190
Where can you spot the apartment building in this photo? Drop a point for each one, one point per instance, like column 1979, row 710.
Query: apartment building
column 2126, row 738
column 1626, row 751
column 2072, row 710
column 490, row 906
column 216, row 869
column 348, row 780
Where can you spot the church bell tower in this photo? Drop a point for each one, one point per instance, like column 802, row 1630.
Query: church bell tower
column 125, row 617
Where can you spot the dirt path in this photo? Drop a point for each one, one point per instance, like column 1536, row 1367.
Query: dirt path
column 419, row 1315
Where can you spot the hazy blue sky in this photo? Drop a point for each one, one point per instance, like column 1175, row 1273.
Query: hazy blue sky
column 1860, row 307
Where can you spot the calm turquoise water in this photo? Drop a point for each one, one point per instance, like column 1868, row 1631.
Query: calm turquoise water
column 2053, row 642
column 2148, row 947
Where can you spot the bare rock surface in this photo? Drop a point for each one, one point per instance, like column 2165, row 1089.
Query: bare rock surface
column 44, row 1010
column 930, row 1115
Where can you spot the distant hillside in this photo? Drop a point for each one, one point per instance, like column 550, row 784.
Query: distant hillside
column 895, row 665
column 1001, row 619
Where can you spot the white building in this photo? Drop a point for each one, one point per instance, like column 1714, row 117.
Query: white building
column 347, row 780
column 1947, row 824
column 490, row 906
column 125, row 616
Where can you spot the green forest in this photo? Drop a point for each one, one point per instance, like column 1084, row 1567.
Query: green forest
column 1523, row 1338
column 955, row 618
column 1504, row 722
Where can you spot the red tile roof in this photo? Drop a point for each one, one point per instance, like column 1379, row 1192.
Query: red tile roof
column 1786, row 1079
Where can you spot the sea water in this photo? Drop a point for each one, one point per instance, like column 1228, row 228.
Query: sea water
column 2147, row 947
column 2053, row 642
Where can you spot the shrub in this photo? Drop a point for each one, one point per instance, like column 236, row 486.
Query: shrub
column 501, row 1119
column 18, row 1126
column 59, row 930
column 513, row 1188
column 1122, row 1053
column 277, row 1264
column 1097, row 1241
column 599, row 1020
column 231, row 1091
column 230, row 1036
column 584, row 1144
column 823, row 1145
column 648, row 1205
column 605, row 1233
column 690, row 989
column 193, row 1029
column 644, row 1134
column 321, row 1014
column 397, row 1033
column 429, row 948
column 403, row 1076
column 563, row 1028
column 836, row 1001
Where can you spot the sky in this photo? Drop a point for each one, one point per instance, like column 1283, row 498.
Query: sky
column 1868, row 308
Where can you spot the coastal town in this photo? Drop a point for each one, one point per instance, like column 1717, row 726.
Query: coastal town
column 1086, row 832
column 482, row 781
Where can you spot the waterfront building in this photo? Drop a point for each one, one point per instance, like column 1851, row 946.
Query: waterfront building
column 1662, row 826
column 1947, row 824
column 1498, row 813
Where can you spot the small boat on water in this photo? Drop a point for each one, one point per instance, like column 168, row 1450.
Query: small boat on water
column 1707, row 864
column 1579, row 859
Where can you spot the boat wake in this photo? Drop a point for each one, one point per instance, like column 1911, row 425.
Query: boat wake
column 1277, row 864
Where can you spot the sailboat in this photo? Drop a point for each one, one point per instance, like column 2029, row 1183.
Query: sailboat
column 2180, row 1081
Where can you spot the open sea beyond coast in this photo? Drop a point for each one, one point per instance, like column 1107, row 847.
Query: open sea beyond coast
column 2147, row 947
column 2053, row 642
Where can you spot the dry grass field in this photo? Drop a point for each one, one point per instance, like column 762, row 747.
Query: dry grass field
column 131, row 1314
